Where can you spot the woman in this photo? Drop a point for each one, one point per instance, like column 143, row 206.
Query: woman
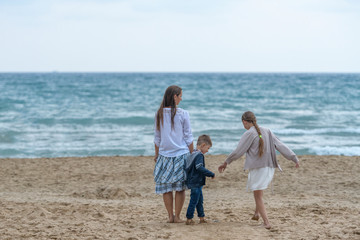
column 173, row 144
column 259, row 144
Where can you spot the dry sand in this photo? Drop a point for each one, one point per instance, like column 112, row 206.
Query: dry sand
column 113, row 198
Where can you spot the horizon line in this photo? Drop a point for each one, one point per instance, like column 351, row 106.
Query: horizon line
column 186, row 72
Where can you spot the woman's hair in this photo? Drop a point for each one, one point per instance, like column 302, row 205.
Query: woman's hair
column 168, row 101
column 250, row 117
column 204, row 139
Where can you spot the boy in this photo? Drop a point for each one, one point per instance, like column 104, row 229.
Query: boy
column 196, row 173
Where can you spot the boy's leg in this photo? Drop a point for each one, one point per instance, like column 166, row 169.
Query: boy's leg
column 200, row 206
column 194, row 198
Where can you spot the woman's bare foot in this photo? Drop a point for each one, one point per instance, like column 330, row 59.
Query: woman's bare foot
column 178, row 220
column 255, row 217
column 171, row 219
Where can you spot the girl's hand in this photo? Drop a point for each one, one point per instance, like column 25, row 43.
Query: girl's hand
column 297, row 165
column 222, row 167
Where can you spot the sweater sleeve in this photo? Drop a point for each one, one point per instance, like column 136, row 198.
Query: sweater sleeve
column 284, row 150
column 199, row 165
column 188, row 137
column 243, row 146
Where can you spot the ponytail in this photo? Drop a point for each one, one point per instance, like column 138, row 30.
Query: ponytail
column 250, row 117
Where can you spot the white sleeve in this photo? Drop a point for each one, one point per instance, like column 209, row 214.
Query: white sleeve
column 188, row 137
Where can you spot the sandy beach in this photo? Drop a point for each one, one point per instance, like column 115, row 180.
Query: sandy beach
column 113, row 198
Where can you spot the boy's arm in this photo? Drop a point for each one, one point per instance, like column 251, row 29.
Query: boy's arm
column 199, row 165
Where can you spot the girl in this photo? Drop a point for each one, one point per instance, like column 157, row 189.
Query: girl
column 173, row 144
column 259, row 144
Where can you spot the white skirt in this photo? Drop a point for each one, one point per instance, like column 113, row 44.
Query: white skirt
column 260, row 178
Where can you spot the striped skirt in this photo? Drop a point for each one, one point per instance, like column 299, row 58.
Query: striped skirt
column 169, row 173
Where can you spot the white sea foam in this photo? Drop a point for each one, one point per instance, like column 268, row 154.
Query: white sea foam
column 291, row 131
column 328, row 150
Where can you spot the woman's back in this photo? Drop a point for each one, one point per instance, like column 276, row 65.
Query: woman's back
column 174, row 140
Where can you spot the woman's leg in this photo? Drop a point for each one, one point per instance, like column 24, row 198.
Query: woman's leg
column 258, row 195
column 179, row 202
column 168, row 201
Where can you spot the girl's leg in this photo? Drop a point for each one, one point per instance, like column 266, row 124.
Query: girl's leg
column 256, row 214
column 179, row 202
column 258, row 195
column 168, row 201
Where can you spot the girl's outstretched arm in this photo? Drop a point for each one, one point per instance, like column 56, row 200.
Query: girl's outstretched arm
column 222, row 167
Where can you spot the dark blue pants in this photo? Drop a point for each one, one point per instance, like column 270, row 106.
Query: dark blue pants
column 196, row 201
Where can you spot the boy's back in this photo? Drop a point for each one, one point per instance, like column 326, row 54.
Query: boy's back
column 195, row 170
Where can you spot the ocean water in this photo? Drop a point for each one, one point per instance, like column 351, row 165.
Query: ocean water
column 102, row 114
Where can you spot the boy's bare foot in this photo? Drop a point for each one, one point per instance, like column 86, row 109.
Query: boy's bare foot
column 178, row 220
column 190, row 222
column 255, row 217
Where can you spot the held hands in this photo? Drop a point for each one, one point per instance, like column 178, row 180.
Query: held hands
column 222, row 167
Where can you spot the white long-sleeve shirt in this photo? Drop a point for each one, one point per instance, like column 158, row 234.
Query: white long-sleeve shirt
column 174, row 142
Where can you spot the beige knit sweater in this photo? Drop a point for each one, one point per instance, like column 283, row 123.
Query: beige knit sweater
column 249, row 144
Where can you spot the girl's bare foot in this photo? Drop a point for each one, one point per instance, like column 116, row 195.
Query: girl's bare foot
column 266, row 226
column 255, row 217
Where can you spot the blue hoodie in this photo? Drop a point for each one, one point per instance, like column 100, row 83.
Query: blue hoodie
column 195, row 170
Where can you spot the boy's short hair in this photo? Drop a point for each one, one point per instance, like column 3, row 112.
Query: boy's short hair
column 204, row 139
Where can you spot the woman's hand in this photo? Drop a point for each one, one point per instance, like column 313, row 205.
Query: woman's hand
column 222, row 167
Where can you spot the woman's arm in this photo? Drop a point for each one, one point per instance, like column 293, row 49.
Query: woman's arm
column 156, row 152
column 191, row 147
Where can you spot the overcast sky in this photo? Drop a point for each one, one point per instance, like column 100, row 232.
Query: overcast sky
column 180, row 35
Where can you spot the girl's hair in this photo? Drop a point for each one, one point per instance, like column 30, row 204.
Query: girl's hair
column 250, row 117
column 168, row 101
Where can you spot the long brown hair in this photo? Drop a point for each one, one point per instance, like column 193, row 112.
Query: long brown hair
column 250, row 117
column 168, row 101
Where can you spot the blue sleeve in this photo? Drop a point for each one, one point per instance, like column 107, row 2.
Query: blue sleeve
column 199, row 165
